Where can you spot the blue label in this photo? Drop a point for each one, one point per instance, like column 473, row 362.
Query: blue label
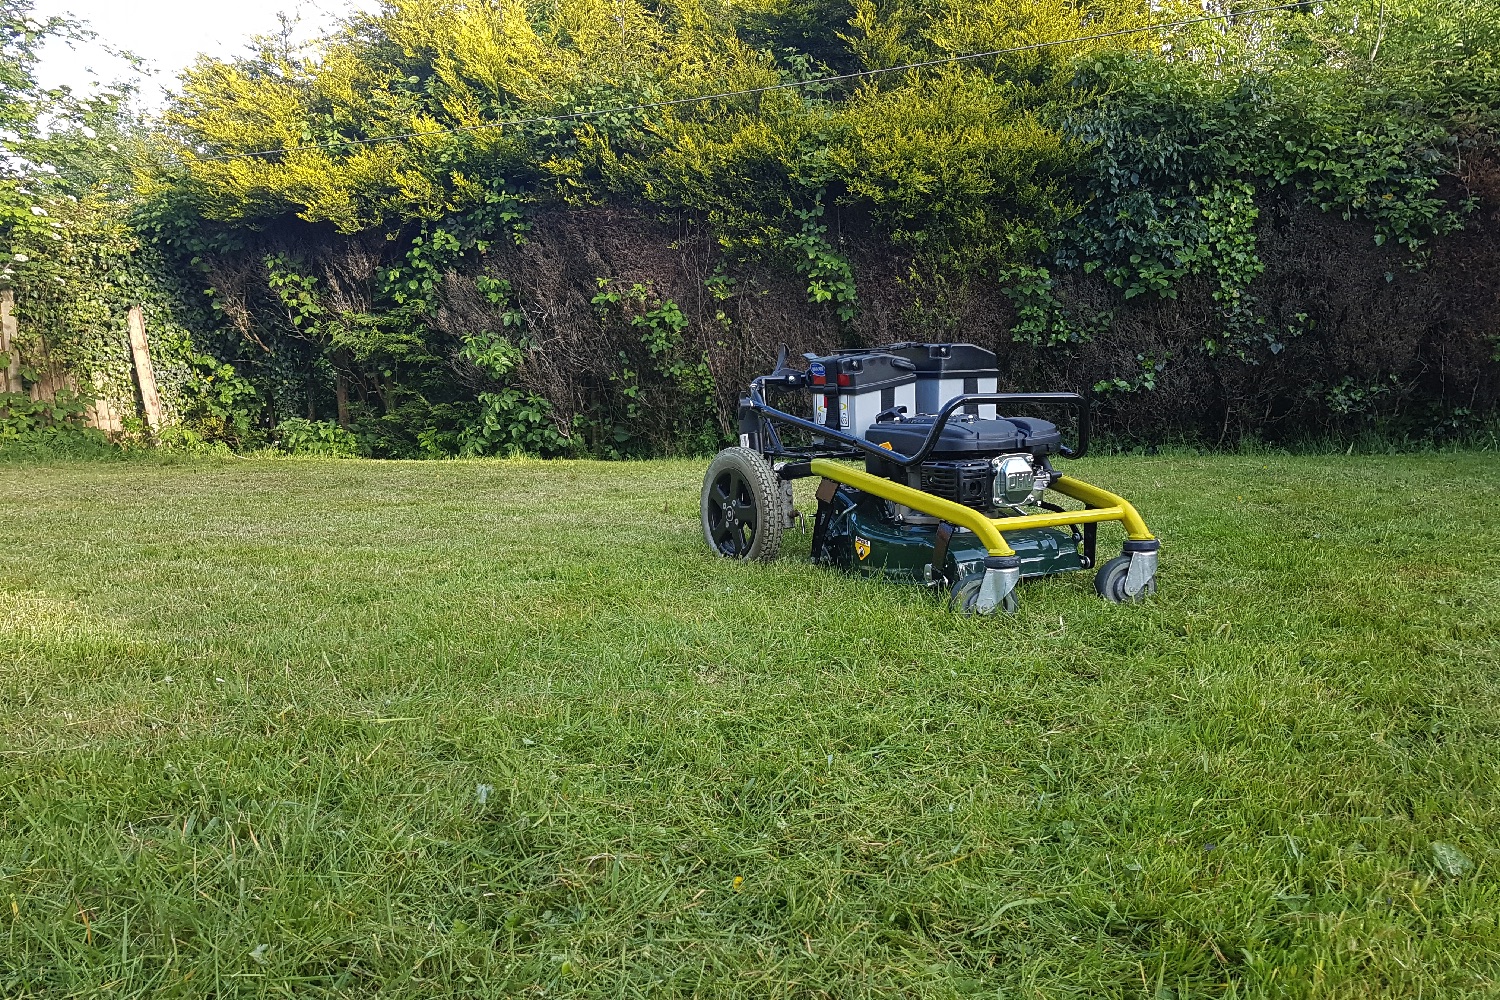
column 816, row 369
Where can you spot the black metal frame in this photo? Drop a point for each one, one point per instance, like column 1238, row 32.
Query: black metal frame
column 758, row 420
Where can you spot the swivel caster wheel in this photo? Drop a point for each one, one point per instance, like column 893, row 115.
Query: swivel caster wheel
column 1111, row 581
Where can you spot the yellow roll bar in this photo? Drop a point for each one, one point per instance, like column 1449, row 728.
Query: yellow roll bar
column 1102, row 506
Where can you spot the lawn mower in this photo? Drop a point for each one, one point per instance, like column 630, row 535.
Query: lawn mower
column 952, row 494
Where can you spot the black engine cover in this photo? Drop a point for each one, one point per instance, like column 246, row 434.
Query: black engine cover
column 958, row 468
column 966, row 436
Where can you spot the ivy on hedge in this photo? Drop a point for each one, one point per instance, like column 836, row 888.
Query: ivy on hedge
column 1143, row 161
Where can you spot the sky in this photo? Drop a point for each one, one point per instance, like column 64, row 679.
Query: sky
column 170, row 34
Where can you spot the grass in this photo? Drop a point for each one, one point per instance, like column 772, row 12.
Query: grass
column 280, row 728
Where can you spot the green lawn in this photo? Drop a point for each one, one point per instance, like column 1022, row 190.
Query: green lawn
column 506, row 728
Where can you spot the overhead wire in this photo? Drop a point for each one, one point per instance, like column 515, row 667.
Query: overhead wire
column 754, row 91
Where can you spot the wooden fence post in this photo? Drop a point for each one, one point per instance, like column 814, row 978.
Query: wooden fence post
column 101, row 412
column 9, row 331
column 145, row 375
column 341, row 395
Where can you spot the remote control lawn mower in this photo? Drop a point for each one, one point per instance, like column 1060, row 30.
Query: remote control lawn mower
column 952, row 495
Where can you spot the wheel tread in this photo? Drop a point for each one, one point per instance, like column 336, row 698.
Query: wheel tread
column 766, row 544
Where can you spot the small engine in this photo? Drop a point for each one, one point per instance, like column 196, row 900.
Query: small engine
column 986, row 464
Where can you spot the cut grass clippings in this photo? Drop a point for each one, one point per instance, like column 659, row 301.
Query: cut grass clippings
column 506, row 728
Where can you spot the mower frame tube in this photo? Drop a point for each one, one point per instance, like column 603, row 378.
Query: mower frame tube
column 770, row 415
column 1100, row 499
column 1102, row 506
column 947, row 510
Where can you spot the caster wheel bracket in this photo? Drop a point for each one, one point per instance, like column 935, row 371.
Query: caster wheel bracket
column 1142, row 572
column 997, row 589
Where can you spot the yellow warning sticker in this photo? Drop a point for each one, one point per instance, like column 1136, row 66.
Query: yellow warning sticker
column 861, row 547
column 887, row 446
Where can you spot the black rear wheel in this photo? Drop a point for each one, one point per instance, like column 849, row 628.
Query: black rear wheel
column 742, row 516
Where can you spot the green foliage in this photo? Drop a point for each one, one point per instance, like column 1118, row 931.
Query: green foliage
column 77, row 263
column 666, row 394
column 299, row 436
column 30, row 116
column 511, row 422
column 48, row 427
column 1041, row 318
column 498, row 354
column 73, row 291
column 1146, row 166
column 1091, row 181
column 217, row 403
column 298, row 294
column 1144, row 379
column 414, row 287
column 1349, row 397
column 830, row 278
column 508, row 420
column 1179, row 162
column 1373, row 174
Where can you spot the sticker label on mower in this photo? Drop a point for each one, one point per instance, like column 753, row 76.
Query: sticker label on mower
column 820, row 410
column 861, row 547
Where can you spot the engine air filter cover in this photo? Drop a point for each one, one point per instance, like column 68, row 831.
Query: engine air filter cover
column 965, row 481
